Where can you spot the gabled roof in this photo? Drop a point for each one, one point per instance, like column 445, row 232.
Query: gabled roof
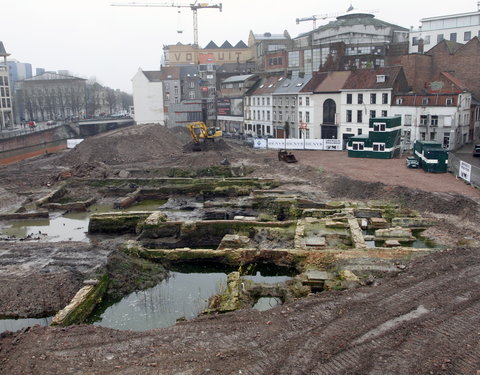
column 327, row 82
column 293, row 85
column 241, row 44
column 226, row 44
column 447, row 45
column 170, row 73
column 153, row 75
column 458, row 83
column 432, row 100
column 266, row 85
column 366, row 79
column 241, row 78
column 50, row 76
column 211, row 45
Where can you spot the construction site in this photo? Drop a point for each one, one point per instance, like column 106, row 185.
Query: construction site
column 154, row 250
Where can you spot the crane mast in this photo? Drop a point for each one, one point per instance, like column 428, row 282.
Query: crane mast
column 194, row 7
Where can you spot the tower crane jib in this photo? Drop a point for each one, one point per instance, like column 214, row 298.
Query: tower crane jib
column 194, row 7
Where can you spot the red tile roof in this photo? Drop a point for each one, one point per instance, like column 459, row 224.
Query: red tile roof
column 366, row 79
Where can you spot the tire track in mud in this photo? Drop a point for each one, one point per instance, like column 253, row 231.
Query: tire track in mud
column 366, row 331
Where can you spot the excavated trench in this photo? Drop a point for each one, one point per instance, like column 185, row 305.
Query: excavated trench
column 235, row 224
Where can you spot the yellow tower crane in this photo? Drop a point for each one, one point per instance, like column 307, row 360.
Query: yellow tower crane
column 194, row 7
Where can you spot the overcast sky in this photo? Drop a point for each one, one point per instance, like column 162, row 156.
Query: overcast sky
column 90, row 38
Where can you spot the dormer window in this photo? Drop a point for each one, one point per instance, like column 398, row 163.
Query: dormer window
column 425, row 101
column 381, row 78
column 399, row 101
column 449, row 101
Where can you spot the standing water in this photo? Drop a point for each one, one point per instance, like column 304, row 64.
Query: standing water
column 182, row 295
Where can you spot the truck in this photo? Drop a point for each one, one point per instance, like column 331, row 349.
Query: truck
column 431, row 156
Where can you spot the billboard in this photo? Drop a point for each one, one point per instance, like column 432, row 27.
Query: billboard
column 230, row 107
column 299, row 144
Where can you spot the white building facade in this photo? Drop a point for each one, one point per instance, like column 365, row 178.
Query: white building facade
column 443, row 118
column 458, row 28
column 148, row 98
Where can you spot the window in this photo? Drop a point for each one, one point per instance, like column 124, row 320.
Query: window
column 360, row 99
column 434, row 120
column 307, row 101
column 359, row 116
column 192, row 84
column 167, row 86
column 175, row 90
column 399, row 101
column 349, row 98
column 426, row 39
column 379, row 147
column 349, row 115
column 381, row 78
column 384, row 114
column 287, row 101
column 373, row 114
column 425, row 101
column 307, row 116
column 422, row 136
column 280, row 116
column 453, row 37
column 415, row 41
column 263, row 115
column 424, row 120
column 268, row 101
column 359, row 131
column 440, row 37
column 432, row 136
column 300, row 117
column 379, row 126
column 300, row 100
column 467, row 35
column 191, row 94
column 373, row 98
column 263, row 101
column 357, row 145
column 274, row 115
column 385, row 98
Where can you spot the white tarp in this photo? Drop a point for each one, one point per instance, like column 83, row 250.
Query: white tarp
column 299, row 144
column 71, row 143
column 465, row 171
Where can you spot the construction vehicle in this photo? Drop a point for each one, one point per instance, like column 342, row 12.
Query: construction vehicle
column 286, row 156
column 198, row 131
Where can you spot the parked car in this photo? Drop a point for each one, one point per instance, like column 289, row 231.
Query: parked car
column 31, row 124
column 51, row 122
column 476, row 150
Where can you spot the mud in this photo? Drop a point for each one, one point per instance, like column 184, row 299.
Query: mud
column 420, row 319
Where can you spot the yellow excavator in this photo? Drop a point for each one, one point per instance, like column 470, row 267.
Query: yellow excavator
column 198, row 130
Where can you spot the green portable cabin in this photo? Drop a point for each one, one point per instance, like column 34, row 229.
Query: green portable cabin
column 382, row 141
column 431, row 156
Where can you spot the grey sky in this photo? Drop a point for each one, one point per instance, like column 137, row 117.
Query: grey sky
column 90, row 38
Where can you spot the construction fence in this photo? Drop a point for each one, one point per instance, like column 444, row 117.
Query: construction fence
column 298, row 144
column 466, row 171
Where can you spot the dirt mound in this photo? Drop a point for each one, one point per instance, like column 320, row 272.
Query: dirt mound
column 217, row 145
column 437, row 202
column 128, row 145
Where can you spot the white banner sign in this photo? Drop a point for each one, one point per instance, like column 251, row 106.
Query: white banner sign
column 465, row 171
column 299, row 144
column 332, row 144
column 260, row 143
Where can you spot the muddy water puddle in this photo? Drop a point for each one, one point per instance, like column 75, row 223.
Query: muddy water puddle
column 13, row 325
column 181, row 296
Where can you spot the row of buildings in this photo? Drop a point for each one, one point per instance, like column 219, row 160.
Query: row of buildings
column 52, row 95
column 326, row 83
